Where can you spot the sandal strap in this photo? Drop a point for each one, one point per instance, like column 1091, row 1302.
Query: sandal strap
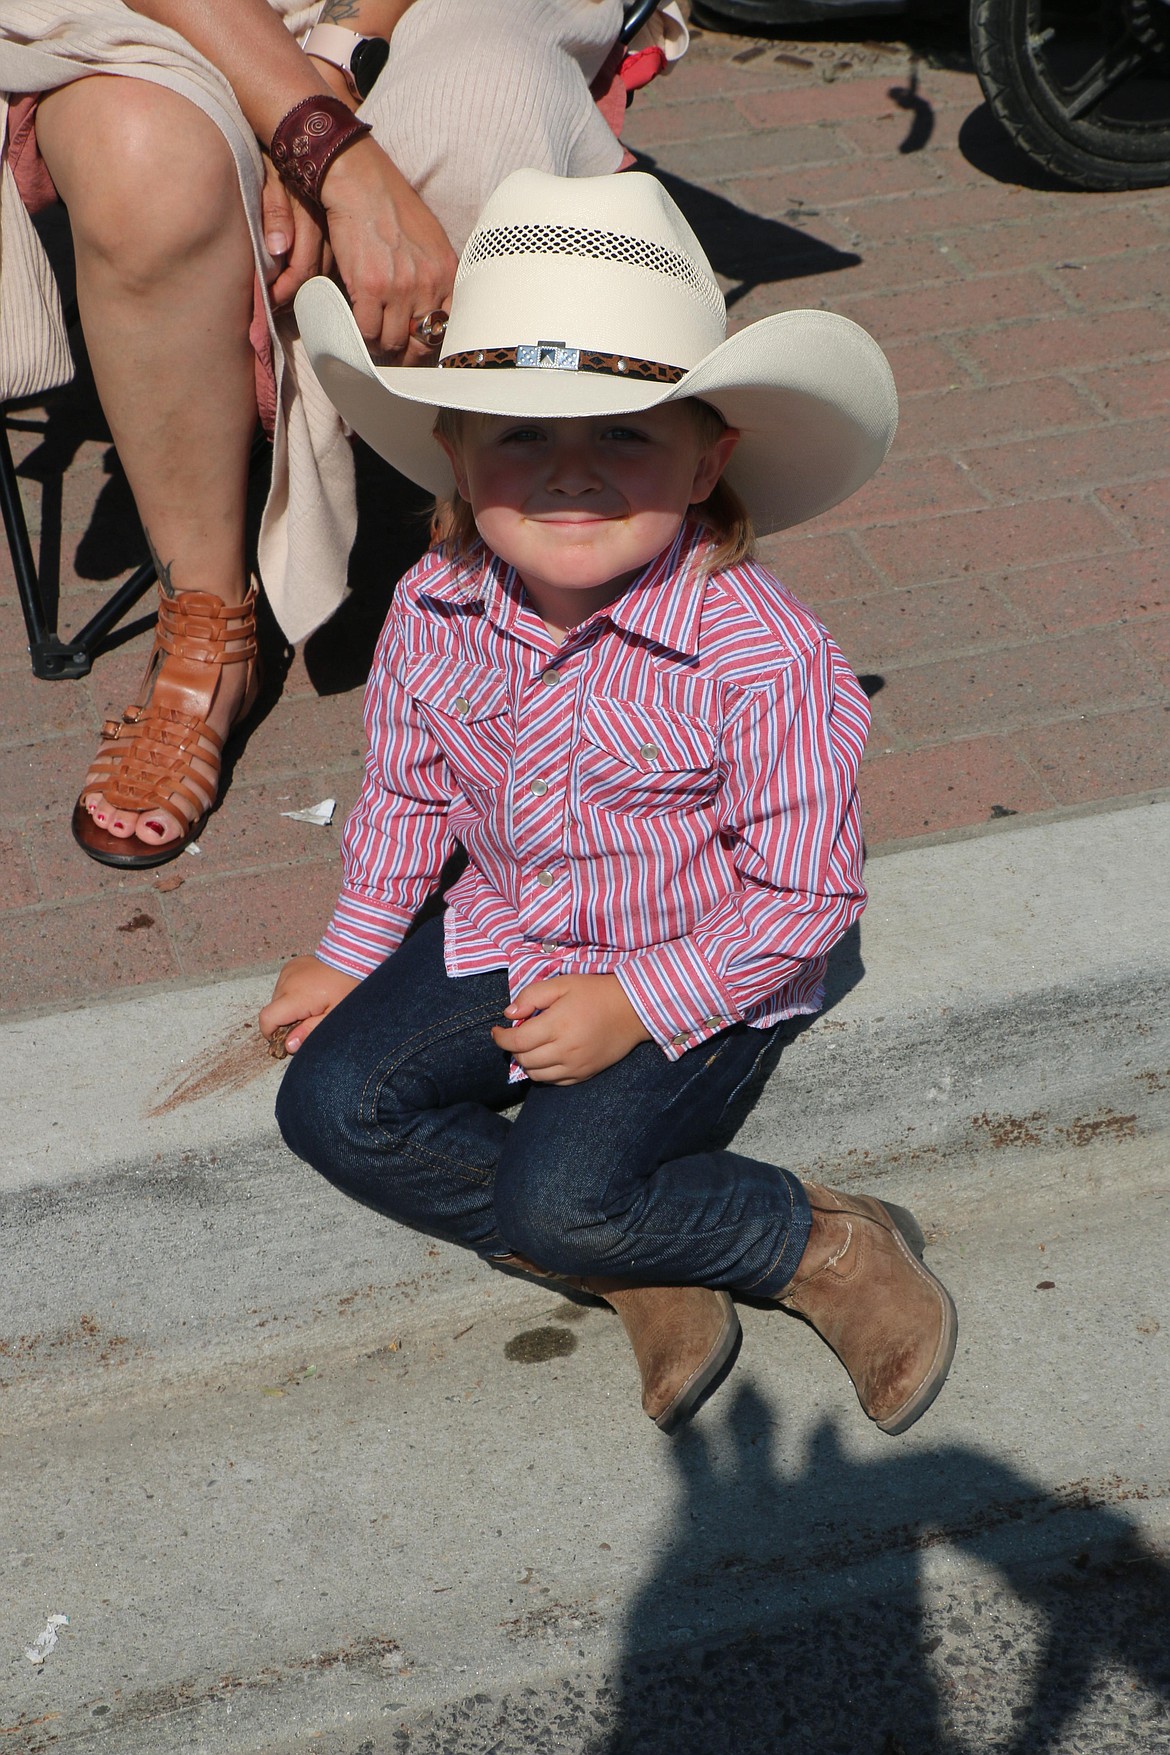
column 158, row 739
column 198, row 627
column 152, row 765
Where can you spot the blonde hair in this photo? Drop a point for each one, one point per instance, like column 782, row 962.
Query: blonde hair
column 723, row 512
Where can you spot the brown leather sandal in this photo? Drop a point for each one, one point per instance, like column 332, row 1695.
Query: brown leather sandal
column 147, row 759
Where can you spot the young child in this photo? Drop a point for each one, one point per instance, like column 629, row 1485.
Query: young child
column 648, row 752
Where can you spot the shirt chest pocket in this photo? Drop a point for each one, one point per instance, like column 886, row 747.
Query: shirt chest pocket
column 465, row 709
column 639, row 758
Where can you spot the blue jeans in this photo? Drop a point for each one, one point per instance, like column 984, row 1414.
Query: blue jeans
column 397, row 1097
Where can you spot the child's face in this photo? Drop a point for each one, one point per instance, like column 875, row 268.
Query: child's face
column 580, row 506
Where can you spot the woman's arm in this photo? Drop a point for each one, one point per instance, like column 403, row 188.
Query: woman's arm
column 391, row 251
column 366, row 18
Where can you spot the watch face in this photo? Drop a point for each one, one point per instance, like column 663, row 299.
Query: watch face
column 367, row 61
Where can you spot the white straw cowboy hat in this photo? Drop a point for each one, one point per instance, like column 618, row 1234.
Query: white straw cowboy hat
column 592, row 296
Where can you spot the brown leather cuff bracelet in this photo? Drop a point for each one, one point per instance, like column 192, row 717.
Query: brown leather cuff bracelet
column 309, row 138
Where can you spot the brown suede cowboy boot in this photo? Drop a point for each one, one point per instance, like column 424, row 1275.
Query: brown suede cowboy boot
column 685, row 1339
column 891, row 1323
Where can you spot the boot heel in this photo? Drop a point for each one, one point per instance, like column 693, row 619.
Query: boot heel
column 912, row 1232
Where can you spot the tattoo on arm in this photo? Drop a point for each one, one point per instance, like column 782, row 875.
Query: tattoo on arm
column 163, row 569
column 337, row 11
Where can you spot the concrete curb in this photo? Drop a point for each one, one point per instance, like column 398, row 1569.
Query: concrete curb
column 977, row 969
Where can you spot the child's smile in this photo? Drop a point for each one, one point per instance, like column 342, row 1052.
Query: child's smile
column 579, row 506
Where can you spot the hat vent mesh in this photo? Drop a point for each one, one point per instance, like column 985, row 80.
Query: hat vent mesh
column 570, row 240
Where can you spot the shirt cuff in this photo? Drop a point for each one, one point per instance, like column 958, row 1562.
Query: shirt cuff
column 360, row 935
column 677, row 995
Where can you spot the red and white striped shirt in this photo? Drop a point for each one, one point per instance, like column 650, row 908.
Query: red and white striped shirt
column 669, row 795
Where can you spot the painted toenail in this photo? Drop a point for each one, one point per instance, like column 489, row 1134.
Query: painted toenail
column 157, row 827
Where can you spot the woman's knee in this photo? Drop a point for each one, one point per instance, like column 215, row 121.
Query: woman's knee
column 163, row 189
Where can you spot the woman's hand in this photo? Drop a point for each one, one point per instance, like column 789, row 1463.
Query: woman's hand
column 306, row 991
column 392, row 253
column 295, row 238
column 570, row 1027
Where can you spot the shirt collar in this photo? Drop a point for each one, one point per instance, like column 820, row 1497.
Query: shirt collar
column 664, row 604
column 483, row 579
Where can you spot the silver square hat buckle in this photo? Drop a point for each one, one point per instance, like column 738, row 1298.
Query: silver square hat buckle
column 553, row 355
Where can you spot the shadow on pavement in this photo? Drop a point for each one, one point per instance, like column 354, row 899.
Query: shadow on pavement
column 392, row 533
column 988, row 148
column 1069, row 1607
column 743, row 247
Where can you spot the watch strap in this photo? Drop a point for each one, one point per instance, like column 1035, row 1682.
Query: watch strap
column 338, row 46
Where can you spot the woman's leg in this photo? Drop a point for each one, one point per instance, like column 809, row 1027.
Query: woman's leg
column 164, row 284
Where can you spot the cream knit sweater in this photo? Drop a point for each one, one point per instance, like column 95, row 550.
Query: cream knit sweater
column 471, row 93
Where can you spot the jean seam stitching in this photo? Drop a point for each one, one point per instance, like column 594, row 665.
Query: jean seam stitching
column 429, row 1037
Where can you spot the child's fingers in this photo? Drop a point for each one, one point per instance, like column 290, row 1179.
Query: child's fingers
column 297, row 1037
column 521, row 1038
column 282, row 1008
column 536, row 997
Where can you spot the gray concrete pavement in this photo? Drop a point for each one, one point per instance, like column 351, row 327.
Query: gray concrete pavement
column 297, row 1487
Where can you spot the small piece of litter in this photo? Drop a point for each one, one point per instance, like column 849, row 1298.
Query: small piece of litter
column 319, row 814
column 44, row 1642
column 193, row 847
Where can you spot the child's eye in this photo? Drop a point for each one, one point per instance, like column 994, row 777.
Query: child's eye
column 626, row 435
column 521, row 436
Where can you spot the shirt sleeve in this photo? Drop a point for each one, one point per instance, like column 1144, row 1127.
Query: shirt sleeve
column 396, row 840
column 791, row 819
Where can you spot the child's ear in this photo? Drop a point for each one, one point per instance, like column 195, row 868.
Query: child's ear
column 712, row 462
column 455, row 458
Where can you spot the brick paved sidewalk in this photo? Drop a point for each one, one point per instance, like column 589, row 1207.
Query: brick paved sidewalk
column 1000, row 585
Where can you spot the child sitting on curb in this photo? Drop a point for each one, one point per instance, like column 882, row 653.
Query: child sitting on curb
column 648, row 752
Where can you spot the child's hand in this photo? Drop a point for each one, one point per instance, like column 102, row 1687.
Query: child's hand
column 306, row 990
column 585, row 1024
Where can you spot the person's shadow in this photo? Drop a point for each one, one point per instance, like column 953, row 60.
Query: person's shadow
column 847, row 1655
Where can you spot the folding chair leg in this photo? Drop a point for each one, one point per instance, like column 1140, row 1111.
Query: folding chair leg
column 54, row 659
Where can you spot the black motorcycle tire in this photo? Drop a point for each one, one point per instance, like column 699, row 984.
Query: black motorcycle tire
column 1088, row 151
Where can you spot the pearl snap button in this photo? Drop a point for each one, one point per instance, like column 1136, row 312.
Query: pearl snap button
column 538, row 788
column 461, row 703
column 549, row 945
column 549, row 677
column 648, row 751
column 545, row 878
column 681, row 1040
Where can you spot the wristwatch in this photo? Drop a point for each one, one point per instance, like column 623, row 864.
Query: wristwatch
column 360, row 59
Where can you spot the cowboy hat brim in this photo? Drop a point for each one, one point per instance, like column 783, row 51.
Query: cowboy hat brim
column 811, row 393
